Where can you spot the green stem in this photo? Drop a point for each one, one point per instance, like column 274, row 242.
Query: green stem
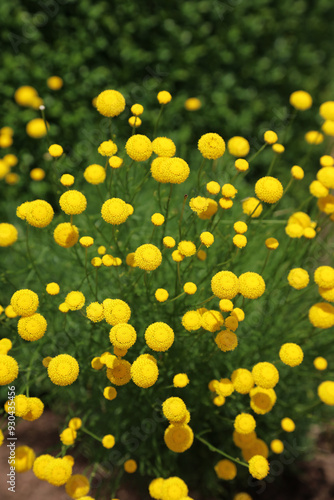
column 181, row 216
column 213, row 448
column 257, row 152
column 199, row 174
column 83, row 429
column 157, row 122
column 265, row 262
column 167, row 210
column 273, row 161
column 31, row 259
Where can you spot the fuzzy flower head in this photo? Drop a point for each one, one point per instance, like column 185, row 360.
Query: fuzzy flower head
column 238, row 146
column 178, row 438
column 187, row 248
column 73, row 202
column 39, row 213
column 75, row 300
column 115, row 211
column 110, row 103
column 63, row 370
column 291, row 354
column 8, row 234
column 326, row 392
column 24, row 302
column 32, row 327
column 95, row 174
column 163, row 146
column 144, row 371
column 258, row 467
column 321, row 315
column 123, row 335
column 9, row 369
column 265, row 375
column 212, row 146
column 225, row 469
column 244, row 423
column 174, row 409
column 173, row 488
column 148, row 257
column 164, row 97
column 269, row 189
column 56, row 150
column 270, row 137
column 159, row 336
column 66, row 235
column 298, row 278
column 116, row 311
column 225, row 285
column 252, row 207
column 199, row 204
column 180, row 380
column 139, row 147
column 300, row 100
column 251, row 285
column 107, row 148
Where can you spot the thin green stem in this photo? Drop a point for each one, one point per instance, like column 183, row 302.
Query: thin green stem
column 181, row 216
column 86, row 431
column 157, row 122
column 213, row 448
column 167, row 210
column 31, row 259
column 257, row 152
column 199, row 174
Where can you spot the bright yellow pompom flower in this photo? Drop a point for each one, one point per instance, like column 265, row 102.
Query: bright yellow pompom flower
column 326, row 392
column 123, row 335
column 291, row 354
column 63, row 370
column 321, row 315
column 238, row 146
column 54, row 82
column 265, row 375
column 225, row 285
column 251, row 285
column 73, row 202
column 95, row 174
column 258, row 467
column 36, row 128
column 148, row 257
column 8, row 234
column 225, row 469
column 139, row 147
column 300, row 100
column 212, row 146
column 144, row 371
column 39, row 213
column 164, row 97
column 56, row 150
column 115, row 211
column 298, row 278
column 32, row 327
column 244, row 423
column 66, row 235
column 110, row 103
column 159, row 336
column 9, row 369
column 269, row 189
column 24, row 302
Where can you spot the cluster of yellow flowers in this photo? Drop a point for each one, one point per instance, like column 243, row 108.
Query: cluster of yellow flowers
column 216, row 326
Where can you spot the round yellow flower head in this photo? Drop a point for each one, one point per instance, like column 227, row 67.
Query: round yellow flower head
column 320, row 363
column 58, row 471
column 258, row 467
column 278, row 148
column 242, row 380
column 192, row 321
column 39, row 466
column 75, row 300
column 86, row 241
column 8, row 234
column 63, row 308
column 107, row 148
column 137, row 109
column 212, row 320
column 115, row 162
column 32, row 327
column 240, row 240
column 37, row 174
column 298, row 278
column 291, row 354
column 321, row 315
column 318, row 190
column 225, row 305
column 96, row 363
column 66, row 235
column 5, row 345
column 118, row 371
column 328, row 127
column 244, row 423
column 63, row 370
column 297, row 172
column 325, row 161
column 219, row 400
column 73, row 202
column 241, row 165
column 269, row 189
column 174, row 409
column 67, row 180
column 213, row 187
column 75, row 423
column 95, row 174
column 326, row 205
column 238, row 313
column 24, row 458
column 242, row 496
column 144, row 371
column 277, row 446
column 199, row 204
column 265, row 375
column 190, row 288
column 225, row 285
column 271, row 243
column 157, row 219
column 226, row 340
column 288, row 424
column 173, row 488
column 300, row 100
column 240, row 227
column 148, row 257
column 115, row 211
column 5, row 140
column 225, row 469
column 116, row 311
column 12, row 160
column 24, row 95
column 326, row 392
column 123, row 335
column 155, row 487
column 192, row 104
column 9, row 312
column 224, row 387
column 108, row 441
column 77, row 486
column 139, row 147
column 326, row 176
column 252, row 206
column 294, row 230
column 262, row 400
column 164, row 97
column 324, row 276
column 55, row 150
column 178, row 438
column 212, row 146
column 54, row 82
column 177, row 256
column 36, row 408
column 244, row 440
column 163, row 146
column 159, row 336
column 251, row 285
column 36, row 128
column 4, row 168
column 24, row 302
column 110, row 103
column 314, row 137
column 169, row 242
column 12, row 178
column 326, row 110
column 161, row 295
column 110, row 393
column 39, row 213
column 68, row 436
column 225, row 203
column 180, row 380
column 187, row 248
column 229, row 191
column 270, row 137
column 238, row 146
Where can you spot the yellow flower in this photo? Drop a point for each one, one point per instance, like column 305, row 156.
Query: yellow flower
column 192, row 104
column 291, row 354
column 54, row 82
column 244, row 423
column 95, row 174
column 36, row 408
column 95, row 312
column 58, row 471
column 238, row 146
column 178, row 437
column 115, row 162
column 164, row 97
column 298, row 278
column 278, row 148
column 68, row 436
column 5, row 344
column 225, row 469
column 169, row 242
column 157, row 219
column 32, row 327
column 8, row 234
column 212, row 320
column 75, row 423
column 66, row 235
column 314, row 137
column 240, row 227
column 24, row 302
column 24, row 458
column 108, row 441
column 159, row 336
column 326, row 204
column 288, row 424
column 67, row 180
column 326, row 392
column 190, row 288
column 269, row 189
column 36, row 128
column 242, row 380
column 110, row 103
column 251, row 285
column 270, row 137
column 326, row 110
column 137, row 109
column 73, row 202
column 63, row 370
column 107, row 148
column 262, row 400
column 258, row 467
column 300, row 100
column 180, row 380
column 265, row 375
column 56, row 150
column 174, row 409
column 116, row 311
column 77, row 486
column 37, row 174
column 161, row 295
column 240, row 240
column 225, row 305
column 213, row 187
column 39, row 466
column 320, row 363
column 326, row 176
column 119, row 373
column 297, row 172
column 123, row 335
column 192, row 321
column 321, row 315
column 244, row 440
column 86, row 241
column 271, row 243
column 199, row 204
column 139, row 147
column 229, row 191
column 39, row 213
column 115, row 211
column 173, row 488
column 212, row 146
column 75, row 300
column 25, row 95
column 277, row 446
column 144, row 371
column 241, row 165
column 148, row 257
column 187, row 248
column 225, row 285
column 155, row 487
column 252, row 206
column 109, row 393
column 163, row 146
column 226, row 340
